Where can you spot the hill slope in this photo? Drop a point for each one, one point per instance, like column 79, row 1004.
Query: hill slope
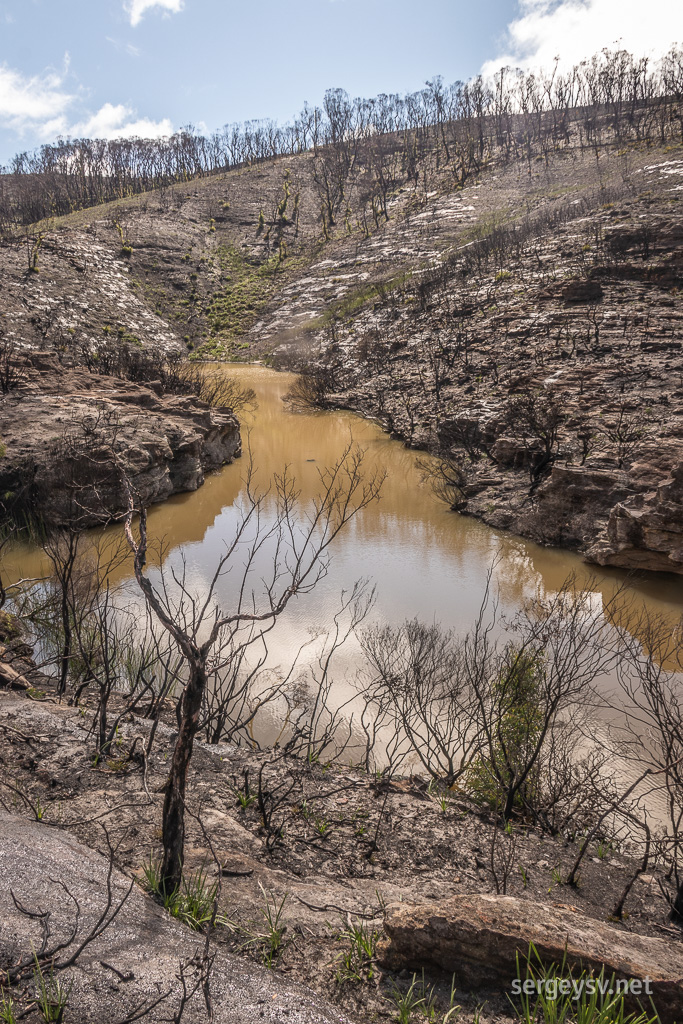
column 526, row 325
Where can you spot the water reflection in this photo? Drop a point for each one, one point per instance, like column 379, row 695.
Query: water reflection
column 426, row 561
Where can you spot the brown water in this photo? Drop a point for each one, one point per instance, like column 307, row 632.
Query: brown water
column 424, row 560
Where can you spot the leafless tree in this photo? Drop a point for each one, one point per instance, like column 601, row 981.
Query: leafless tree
column 533, row 693
column 536, row 419
column 203, row 631
column 417, row 681
column 650, row 675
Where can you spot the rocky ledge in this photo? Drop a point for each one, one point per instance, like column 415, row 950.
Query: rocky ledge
column 482, row 937
column 646, row 530
column 71, row 437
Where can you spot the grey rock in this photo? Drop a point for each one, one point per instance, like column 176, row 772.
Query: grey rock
column 480, row 936
column 142, row 940
column 645, row 531
column 71, row 436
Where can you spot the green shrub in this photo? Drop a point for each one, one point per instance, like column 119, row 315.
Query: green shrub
column 514, row 700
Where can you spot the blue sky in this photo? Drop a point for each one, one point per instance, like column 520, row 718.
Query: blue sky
column 108, row 68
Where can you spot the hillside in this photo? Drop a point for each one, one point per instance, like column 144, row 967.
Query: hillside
column 516, row 313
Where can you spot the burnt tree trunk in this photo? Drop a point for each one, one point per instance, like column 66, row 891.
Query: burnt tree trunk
column 173, row 833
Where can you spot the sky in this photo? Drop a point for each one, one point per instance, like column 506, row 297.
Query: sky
column 113, row 68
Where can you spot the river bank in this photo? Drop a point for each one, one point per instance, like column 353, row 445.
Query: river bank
column 539, row 359
column 69, row 436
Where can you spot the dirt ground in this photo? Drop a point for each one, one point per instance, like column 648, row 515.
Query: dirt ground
column 341, row 845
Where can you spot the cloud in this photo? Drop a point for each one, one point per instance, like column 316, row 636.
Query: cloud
column 136, row 9
column 40, row 107
column 574, row 30
column 28, row 103
column 132, row 51
column 120, row 122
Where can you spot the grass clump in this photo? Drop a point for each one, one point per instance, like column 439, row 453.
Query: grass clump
column 269, row 945
column 557, row 996
column 51, row 996
column 356, row 962
column 193, row 903
column 248, row 286
column 8, row 1009
column 421, row 999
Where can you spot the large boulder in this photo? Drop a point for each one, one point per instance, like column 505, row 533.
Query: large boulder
column 581, row 487
column 645, row 531
column 480, row 937
column 136, row 960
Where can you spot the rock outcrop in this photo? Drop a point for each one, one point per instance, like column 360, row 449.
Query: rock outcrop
column 70, row 437
column 480, row 937
column 645, row 531
column 135, row 961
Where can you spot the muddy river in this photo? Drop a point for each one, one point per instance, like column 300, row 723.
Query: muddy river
column 424, row 560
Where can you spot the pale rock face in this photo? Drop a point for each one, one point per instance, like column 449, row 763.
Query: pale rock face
column 72, row 440
column 142, row 942
column 479, row 937
column 645, row 531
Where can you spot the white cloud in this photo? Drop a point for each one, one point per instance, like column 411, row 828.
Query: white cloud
column 40, row 107
column 136, row 8
column 119, row 122
column 132, row 51
column 29, row 102
column 574, row 30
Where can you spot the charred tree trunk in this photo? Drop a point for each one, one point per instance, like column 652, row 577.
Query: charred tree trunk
column 173, row 834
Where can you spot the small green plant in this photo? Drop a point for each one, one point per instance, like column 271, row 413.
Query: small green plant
column 491, row 779
column 51, row 996
column 245, row 800
column 421, row 998
column 603, row 849
column 356, row 962
column 271, row 912
column 8, row 1009
column 407, row 1002
column 245, row 797
column 34, row 694
column 192, row 903
column 503, row 275
column 322, row 826
column 523, row 873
